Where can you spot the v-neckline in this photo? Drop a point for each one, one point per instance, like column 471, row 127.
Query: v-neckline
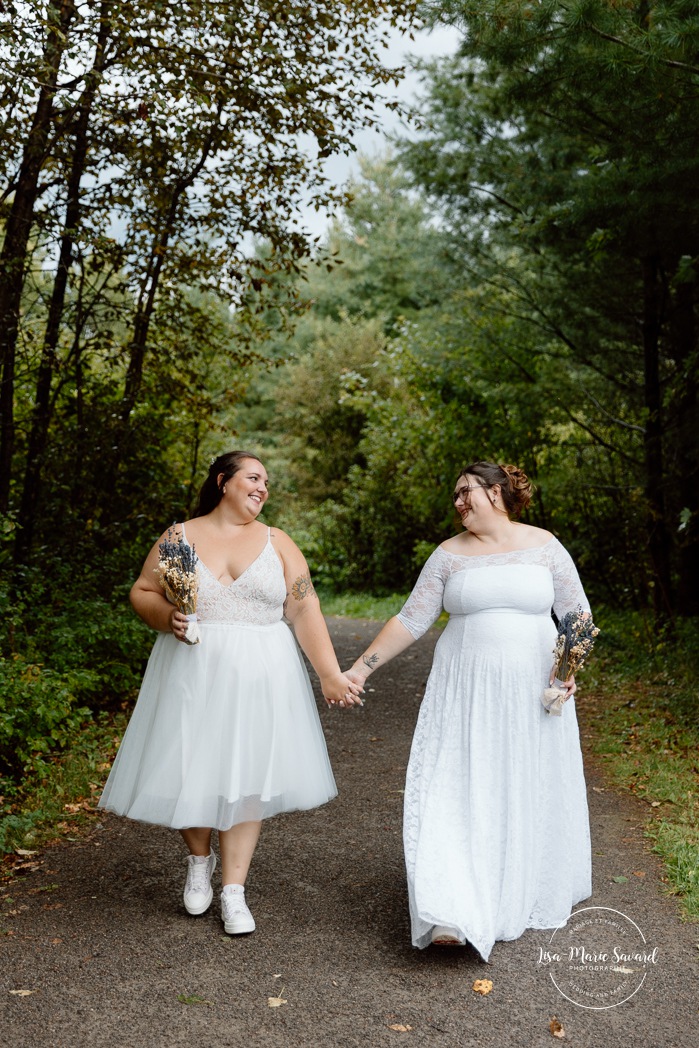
column 227, row 585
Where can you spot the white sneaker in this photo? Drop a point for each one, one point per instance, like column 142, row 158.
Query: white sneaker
column 198, row 892
column 443, row 936
column 236, row 917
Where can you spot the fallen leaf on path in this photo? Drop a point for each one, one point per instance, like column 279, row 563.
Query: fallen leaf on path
column 399, row 1027
column 276, row 1002
column 639, row 873
column 655, row 804
column 24, row 853
column 556, row 1028
column 599, row 789
column 620, row 880
column 183, row 998
column 482, row 986
column 22, row 993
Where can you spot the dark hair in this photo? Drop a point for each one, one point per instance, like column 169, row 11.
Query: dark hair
column 225, row 466
column 515, row 486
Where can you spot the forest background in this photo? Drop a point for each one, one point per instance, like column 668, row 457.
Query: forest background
column 516, row 279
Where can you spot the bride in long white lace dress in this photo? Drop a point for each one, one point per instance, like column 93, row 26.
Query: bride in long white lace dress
column 225, row 733
column 496, row 829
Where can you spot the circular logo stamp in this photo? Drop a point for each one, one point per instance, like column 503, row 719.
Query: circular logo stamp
column 599, row 958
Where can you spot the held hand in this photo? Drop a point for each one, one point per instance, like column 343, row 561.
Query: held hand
column 339, row 690
column 178, row 624
column 356, row 676
column 570, row 685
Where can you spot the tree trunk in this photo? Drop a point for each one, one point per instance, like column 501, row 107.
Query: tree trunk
column 41, row 416
column 685, row 412
column 19, row 225
column 144, row 315
column 656, row 524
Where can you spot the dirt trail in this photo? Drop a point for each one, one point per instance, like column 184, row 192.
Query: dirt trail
column 99, row 935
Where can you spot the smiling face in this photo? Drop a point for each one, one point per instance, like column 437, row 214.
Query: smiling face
column 472, row 498
column 246, row 491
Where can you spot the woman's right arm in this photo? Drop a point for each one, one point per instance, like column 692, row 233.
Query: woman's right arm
column 391, row 641
column 149, row 602
column 421, row 610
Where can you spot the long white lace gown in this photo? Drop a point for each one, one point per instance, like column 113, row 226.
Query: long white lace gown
column 227, row 730
column 496, row 828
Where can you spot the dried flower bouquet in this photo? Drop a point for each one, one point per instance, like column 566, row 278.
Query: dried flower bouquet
column 178, row 574
column 575, row 641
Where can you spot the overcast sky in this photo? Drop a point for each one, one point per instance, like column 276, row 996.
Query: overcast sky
column 441, row 41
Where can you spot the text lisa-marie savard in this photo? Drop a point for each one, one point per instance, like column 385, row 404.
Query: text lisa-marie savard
column 581, row 955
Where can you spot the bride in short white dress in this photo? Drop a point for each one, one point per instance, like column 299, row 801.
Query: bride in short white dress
column 225, row 732
column 496, row 829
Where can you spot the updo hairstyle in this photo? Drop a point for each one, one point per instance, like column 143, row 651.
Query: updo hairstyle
column 515, row 487
column 225, row 466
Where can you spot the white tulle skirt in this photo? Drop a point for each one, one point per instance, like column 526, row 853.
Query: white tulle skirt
column 225, row 731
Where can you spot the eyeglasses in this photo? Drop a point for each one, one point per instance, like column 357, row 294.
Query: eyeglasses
column 465, row 491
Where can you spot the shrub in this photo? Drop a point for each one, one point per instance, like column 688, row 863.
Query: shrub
column 39, row 711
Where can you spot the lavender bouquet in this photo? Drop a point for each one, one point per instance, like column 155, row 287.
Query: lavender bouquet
column 575, row 641
column 178, row 574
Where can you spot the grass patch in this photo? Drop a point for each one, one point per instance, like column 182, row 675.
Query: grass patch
column 641, row 703
column 361, row 605
column 58, row 798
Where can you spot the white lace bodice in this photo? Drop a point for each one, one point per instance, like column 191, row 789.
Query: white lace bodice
column 257, row 596
column 431, row 593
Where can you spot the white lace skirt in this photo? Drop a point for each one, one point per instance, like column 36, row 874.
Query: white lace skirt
column 496, row 827
column 225, row 731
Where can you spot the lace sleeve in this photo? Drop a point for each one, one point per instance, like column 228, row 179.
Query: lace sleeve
column 567, row 587
column 424, row 605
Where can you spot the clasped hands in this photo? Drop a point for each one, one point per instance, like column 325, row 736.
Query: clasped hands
column 344, row 690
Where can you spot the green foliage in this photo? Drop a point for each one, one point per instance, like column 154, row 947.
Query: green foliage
column 638, row 693
column 144, row 146
column 39, row 712
column 393, row 259
column 559, row 193
column 59, row 794
column 64, row 654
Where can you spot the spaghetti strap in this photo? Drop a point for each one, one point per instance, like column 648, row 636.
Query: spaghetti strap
column 184, row 533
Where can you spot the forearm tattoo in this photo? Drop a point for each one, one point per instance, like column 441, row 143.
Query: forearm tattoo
column 370, row 660
column 302, row 587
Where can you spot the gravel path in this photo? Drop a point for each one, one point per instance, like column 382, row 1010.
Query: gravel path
column 98, row 933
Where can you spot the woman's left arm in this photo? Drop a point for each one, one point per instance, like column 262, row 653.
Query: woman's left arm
column 569, row 594
column 302, row 609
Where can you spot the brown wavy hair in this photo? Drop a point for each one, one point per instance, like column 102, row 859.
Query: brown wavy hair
column 515, row 486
